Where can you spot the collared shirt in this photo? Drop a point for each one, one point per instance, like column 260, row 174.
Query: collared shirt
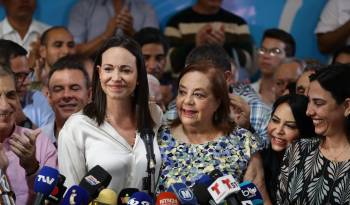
column 89, row 18
column 49, row 131
column 21, row 184
column 37, row 108
column 36, row 28
column 83, row 144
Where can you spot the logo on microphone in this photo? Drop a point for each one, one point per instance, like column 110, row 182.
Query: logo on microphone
column 45, row 179
column 92, row 180
column 72, row 197
column 186, row 194
column 249, row 192
column 133, row 201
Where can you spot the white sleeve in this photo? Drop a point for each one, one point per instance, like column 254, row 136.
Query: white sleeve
column 329, row 19
column 71, row 157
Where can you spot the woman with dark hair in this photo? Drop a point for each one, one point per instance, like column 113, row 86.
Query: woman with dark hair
column 288, row 122
column 203, row 138
column 107, row 131
column 317, row 170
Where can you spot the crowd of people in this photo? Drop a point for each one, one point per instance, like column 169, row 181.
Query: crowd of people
column 75, row 97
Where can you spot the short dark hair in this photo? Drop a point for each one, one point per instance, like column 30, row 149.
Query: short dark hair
column 9, row 50
column 215, row 54
column 6, row 71
column 342, row 50
column 70, row 62
column 221, row 118
column 149, row 35
column 298, row 105
column 45, row 34
column 283, row 36
column 97, row 108
column 335, row 79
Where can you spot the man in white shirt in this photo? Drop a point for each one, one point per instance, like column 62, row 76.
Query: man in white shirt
column 333, row 28
column 19, row 25
column 68, row 92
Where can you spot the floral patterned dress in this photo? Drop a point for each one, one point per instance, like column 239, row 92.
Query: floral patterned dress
column 307, row 177
column 185, row 163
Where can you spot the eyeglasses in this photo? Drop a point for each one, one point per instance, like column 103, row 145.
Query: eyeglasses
column 271, row 51
column 21, row 76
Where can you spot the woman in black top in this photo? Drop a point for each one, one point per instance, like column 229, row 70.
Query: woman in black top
column 288, row 122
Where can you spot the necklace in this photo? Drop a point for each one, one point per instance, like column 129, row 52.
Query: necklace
column 334, row 157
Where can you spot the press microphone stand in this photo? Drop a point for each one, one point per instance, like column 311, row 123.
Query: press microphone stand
column 147, row 136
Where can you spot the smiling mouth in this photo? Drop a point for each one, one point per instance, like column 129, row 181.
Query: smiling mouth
column 317, row 122
column 278, row 141
column 188, row 113
column 68, row 106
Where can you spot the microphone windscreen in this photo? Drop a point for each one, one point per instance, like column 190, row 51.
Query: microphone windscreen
column 249, row 191
column 202, row 194
column 95, row 180
column 204, row 179
column 106, row 196
column 125, row 194
column 167, row 198
column 46, row 180
column 57, row 193
column 76, row 195
column 183, row 193
column 215, row 174
column 140, row 198
column 223, row 187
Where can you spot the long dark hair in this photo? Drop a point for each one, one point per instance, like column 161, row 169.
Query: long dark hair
column 298, row 105
column 335, row 79
column 97, row 108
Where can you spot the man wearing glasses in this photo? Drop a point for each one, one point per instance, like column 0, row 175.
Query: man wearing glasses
column 276, row 45
column 36, row 110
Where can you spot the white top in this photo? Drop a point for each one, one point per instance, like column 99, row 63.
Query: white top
column 335, row 14
column 82, row 144
column 36, row 28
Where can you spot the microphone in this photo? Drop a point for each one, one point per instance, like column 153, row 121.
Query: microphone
column 57, row 193
column 167, row 198
column 222, row 189
column 140, row 198
column 147, row 136
column 250, row 194
column 106, row 197
column 95, row 180
column 125, row 194
column 200, row 189
column 76, row 195
column 183, row 193
column 202, row 194
column 44, row 183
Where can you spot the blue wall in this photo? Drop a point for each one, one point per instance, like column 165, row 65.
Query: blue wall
column 260, row 14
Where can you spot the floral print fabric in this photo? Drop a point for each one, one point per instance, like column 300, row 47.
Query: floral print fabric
column 185, row 163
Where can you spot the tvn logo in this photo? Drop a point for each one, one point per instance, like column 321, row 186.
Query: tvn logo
column 45, row 179
column 92, row 180
column 186, row 194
